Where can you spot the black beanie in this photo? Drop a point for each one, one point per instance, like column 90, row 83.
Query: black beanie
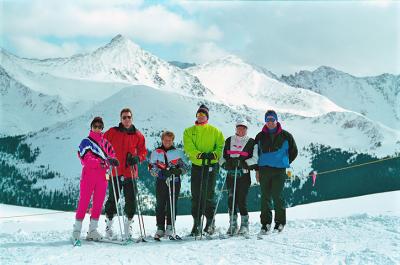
column 97, row 120
column 204, row 110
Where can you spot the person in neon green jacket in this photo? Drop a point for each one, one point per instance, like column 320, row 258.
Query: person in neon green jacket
column 203, row 144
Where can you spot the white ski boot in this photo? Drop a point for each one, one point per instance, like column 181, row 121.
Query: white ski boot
column 128, row 228
column 233, row 227
column 93, row 234
column 169, row 231
column 159, row 234
column 109, row 231
column 244, row 225
column 76, row 232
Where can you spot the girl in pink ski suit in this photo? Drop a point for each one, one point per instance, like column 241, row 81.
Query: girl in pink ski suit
column 96, row 155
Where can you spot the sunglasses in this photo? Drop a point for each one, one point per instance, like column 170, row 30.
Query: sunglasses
column 201, row 114
column 126, row 117
column 97, row 127
column 270, row 120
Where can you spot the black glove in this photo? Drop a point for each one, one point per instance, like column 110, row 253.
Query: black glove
column 113, row 161
column 166, row 173
column 231, row 163
column 243, row 164
column 175, row 171
column 207, row 156
column 201, row 156
column 132, row 160
column 211, row 156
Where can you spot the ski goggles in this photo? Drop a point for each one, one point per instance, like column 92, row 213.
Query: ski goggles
column 126, row 117
column 270, row 119
column 201, row 114
column 97, row 126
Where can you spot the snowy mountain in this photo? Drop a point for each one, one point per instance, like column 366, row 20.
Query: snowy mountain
column 377, row 97
column 57, row 144
column 361, row 230
column 23, row 109
column 59, row 97
column 182, row 65
column 237, row 82
column 121, row 60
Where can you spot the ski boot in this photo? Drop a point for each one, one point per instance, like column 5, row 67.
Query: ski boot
column 278, row 227
column 210, row 227
column 109, row 231
column 244, row 225
column 93, row 234
column 76, row 233
column 233, row 227
column 160, row 233
column 128, row 228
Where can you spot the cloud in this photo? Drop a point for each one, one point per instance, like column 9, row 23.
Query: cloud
column 204, row 52
column 29, row 21
column 36, row 48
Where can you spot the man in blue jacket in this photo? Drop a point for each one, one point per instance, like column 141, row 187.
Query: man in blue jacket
column 276, row 150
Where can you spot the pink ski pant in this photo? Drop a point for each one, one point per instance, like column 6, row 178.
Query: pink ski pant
column 93, row 182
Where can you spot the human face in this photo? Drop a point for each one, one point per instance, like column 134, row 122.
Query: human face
column 271, row 122
column 201, row 117
column 241, row 130
column 126, row 119
column 167, row 142
column 97, row 127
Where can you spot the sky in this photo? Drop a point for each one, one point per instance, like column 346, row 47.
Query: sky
column 358, row 37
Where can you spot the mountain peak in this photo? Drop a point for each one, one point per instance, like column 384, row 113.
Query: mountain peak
column 121, row 41
column 327, row 69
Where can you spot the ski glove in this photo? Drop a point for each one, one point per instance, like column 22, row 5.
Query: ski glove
column 113, row 162
column 132, row 160
column 166, row 173
column 175, row 171
column 207, row 156
column 232, row 163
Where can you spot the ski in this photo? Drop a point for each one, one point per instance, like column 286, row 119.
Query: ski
column 175, row 237
column 76, row 243
column 140, row 239
column 117, row 242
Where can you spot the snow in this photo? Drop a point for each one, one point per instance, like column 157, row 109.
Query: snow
column 377, row 97
column 361, row 230
column 243, row 83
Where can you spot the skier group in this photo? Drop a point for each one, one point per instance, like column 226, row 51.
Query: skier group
column 111, row 160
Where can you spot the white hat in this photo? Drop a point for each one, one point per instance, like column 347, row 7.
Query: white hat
column 242, row 123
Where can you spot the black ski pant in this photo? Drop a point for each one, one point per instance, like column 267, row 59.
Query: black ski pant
column 129, row 194
column 203, row 179
column 242, row 189
column 163, row 207
column 272, row 181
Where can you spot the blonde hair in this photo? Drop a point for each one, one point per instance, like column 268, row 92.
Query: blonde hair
column 168, row 134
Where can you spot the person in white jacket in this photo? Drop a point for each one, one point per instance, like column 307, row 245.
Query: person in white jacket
column 238, row 159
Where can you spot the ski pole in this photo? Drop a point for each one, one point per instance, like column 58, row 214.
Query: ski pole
column 205, row 198
column 168, row 182
column 234, row 197
column 135, row 189
column 219, row 199
column 200, row 197
column 116, row 203
column 121, row 210
column 174, row 206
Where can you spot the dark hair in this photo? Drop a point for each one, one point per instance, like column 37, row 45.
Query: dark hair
column 97, row 120
column 125, row 110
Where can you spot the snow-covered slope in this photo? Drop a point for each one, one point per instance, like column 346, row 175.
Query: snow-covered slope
column 236, row 82
column 155, row 110
column 362, row 230
column 378, row 97
column 121, row 60
column 24, row 110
